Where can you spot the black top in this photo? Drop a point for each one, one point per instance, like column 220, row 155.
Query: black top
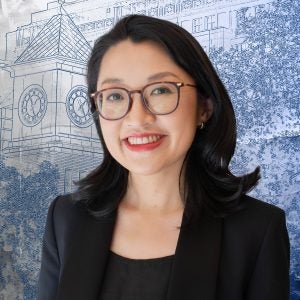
column 135, row 279
column 242, row 256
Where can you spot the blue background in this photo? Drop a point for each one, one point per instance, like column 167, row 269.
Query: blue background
column 254, row 45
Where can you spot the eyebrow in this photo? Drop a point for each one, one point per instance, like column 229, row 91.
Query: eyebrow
column 162, row 75
column 111, row 80
column 156, row 76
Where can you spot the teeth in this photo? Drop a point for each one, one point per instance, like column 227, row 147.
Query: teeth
column 143, row 140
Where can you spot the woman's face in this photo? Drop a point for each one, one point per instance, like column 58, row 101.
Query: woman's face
column 142, row 142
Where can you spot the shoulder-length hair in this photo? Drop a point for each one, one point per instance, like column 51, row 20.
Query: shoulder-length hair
column 208, row 182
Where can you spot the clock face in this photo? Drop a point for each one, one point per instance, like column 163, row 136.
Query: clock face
column 78, row 108
column 32, row 105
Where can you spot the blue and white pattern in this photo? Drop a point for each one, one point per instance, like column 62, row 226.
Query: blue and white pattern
column 78, row 107
column 47, row 138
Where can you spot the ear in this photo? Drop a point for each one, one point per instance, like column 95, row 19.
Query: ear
column 205, row 110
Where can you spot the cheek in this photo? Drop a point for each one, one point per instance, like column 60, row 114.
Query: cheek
column 110, row 134
column 188, row 122
column 187, row 116
column 183, row 128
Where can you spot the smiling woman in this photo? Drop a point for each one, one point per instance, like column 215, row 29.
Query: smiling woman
column 155, row 112
column 162, row 217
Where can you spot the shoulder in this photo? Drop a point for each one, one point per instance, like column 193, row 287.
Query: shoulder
column 66, row 206
column 253, row 223
column 68, row 220
column 255, row 214
column 65, row 211
column 67, row 215
column 256, row 211
column 255, row 251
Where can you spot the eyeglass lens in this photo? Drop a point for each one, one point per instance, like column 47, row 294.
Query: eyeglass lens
column 159, row 98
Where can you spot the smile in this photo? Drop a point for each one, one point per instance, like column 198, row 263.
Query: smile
column 134, row 140
column 143, row 142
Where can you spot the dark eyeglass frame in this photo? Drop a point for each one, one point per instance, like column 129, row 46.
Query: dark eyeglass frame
column 178, row 85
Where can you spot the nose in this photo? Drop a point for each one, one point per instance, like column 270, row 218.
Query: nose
column 138, row 114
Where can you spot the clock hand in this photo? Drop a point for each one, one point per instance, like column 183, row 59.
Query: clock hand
column 31, row 105
column 36, row 106
column 37, row 99
column 81, row 106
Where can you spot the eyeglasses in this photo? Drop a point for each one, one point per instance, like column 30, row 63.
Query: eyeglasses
column 159, row 98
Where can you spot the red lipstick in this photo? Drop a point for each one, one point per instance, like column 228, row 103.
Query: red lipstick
column 143, row 142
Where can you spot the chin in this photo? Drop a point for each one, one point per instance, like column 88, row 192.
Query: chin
column 142, row 171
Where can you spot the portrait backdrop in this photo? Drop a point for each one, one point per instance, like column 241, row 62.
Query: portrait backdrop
column 47, row 136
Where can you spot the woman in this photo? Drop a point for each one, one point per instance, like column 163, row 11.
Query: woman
column 162, row 217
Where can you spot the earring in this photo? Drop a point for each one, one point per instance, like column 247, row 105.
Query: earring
column 201, row 126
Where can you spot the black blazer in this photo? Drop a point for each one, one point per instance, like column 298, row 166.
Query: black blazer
column 242, row 256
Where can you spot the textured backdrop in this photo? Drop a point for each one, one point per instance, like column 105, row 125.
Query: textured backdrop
column 47, row 139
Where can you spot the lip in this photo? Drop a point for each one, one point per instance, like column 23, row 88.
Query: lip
column 143, row 147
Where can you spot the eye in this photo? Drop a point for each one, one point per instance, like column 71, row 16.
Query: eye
column 113, row 97
column 161, row 90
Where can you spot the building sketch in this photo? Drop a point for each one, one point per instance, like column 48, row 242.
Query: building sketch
column 47, row 133
column 50, row 110
column 47, row 60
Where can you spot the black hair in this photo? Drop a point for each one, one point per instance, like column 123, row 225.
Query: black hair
column 208, row 182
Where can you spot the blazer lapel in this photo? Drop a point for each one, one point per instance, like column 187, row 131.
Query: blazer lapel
column 194, row 272
column 195, row 268
column 85, row 261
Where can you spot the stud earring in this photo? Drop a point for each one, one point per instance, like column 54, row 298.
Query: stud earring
column 201, row 126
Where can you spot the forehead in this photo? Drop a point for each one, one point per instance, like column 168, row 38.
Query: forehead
column 134, row 63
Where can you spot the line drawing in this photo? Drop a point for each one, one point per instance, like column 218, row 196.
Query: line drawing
column 47, row 137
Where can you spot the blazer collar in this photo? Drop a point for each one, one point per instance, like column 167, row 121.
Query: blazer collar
column 194, row 271
column 195, row 268
column 85, row 260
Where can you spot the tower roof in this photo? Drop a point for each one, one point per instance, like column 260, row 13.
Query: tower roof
column 59, row 38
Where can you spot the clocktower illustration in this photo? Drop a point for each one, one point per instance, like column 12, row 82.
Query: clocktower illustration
column 50, row 102
column 78, row 107
column 32, row 105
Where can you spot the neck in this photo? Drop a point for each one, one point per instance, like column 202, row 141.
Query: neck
column 159, row 193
